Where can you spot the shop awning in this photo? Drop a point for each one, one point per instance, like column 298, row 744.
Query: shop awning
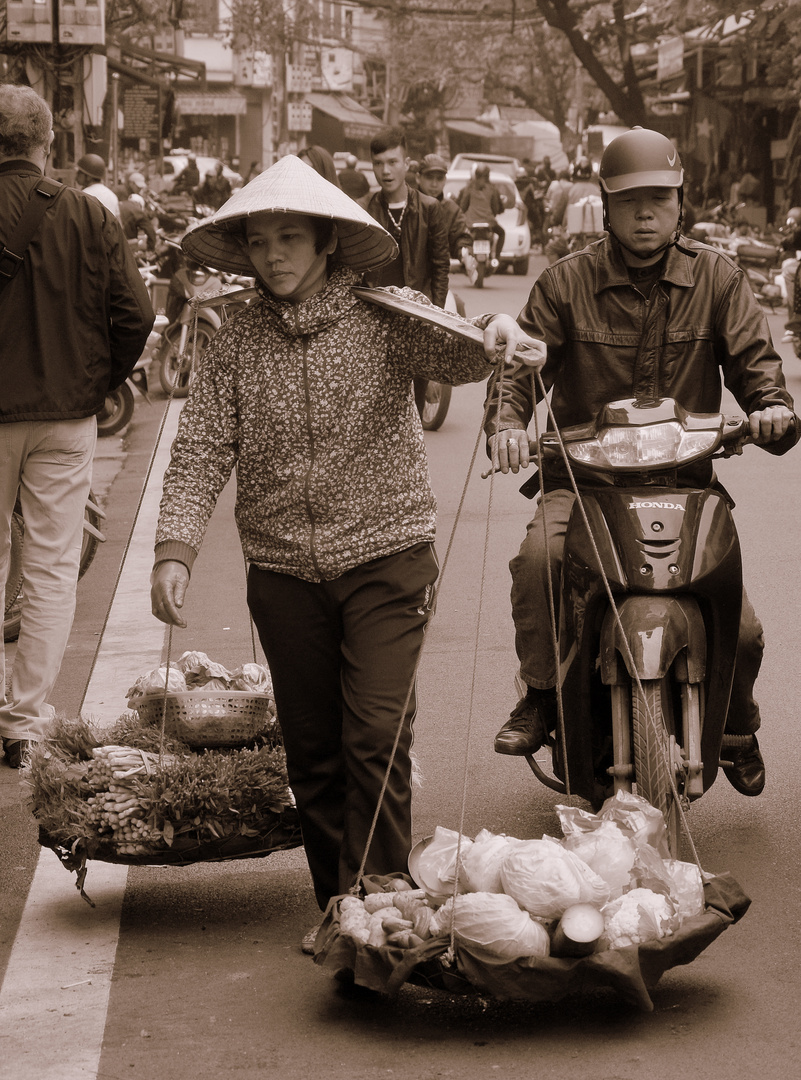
column 471, row 127
column 357, row 122
column 210, row 103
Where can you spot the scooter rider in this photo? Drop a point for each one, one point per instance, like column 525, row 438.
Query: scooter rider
column 643, row 313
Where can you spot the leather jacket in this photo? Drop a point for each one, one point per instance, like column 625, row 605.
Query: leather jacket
column 423, row 245
column 700, row 328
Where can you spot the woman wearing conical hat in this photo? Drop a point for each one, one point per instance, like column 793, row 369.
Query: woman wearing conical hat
column 308, row 394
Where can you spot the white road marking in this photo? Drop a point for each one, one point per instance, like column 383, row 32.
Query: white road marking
column 55, row 994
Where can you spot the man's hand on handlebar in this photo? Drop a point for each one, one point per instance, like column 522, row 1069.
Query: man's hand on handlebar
column 771, row 424
column 510, row 450
column 168, row 584
column 504, row 331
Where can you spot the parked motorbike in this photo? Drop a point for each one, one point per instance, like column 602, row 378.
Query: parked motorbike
column 190, row 328
column 645, row 684
column 92, row 536
column 118, row 410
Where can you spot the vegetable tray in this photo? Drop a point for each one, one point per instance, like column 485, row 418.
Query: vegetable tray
column 278, row 832
column 632, row 971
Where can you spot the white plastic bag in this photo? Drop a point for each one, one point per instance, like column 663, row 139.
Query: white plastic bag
column 545, row 879
column 482, row 862
column 493, row 927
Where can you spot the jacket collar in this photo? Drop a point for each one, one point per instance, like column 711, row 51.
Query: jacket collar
column 20, row 165
column 320, row 309
column 611, row 271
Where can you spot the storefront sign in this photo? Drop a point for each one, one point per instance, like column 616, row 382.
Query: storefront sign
column 140, row 109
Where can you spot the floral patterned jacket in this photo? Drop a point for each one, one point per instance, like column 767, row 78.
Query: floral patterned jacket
column 312, row 403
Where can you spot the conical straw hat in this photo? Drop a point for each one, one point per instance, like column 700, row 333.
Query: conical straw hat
column 293, row 187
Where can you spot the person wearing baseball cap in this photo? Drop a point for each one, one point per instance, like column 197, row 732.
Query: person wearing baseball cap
column 431, row 181
column 307, row 393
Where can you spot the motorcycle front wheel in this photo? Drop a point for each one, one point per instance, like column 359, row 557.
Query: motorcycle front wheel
column 117, row 411
column 435, row 407
column 481, row 273
column 176, row 372
column 653, row 743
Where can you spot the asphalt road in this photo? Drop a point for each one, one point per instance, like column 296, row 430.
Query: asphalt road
column 197, row 972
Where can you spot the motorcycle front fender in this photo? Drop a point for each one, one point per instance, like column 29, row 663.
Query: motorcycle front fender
column 651, row 633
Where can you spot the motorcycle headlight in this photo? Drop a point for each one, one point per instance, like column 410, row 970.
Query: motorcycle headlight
column 665, row 445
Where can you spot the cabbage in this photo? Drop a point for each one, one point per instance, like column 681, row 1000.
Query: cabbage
column 607, row 851
column 436, row 868
column 482, row 862
column 636, row 917
column 545, row 878
column 199, row 670
column 253, row 677
column 492, row 926
column 152, row 682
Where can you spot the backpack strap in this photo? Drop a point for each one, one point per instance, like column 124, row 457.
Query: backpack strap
column 12, row 253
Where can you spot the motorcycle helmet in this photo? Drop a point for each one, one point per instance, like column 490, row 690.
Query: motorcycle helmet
column 583, row 169
column 794, row 215
column 92, row 165
column 137, row 200
column 641, row 158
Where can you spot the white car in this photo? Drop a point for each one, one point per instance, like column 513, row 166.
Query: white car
column 513, row 220
column 497, row 162
column 175, row 163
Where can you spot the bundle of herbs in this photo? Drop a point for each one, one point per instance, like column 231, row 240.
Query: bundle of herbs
column 126, row 792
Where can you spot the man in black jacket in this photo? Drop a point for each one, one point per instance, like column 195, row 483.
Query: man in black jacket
column 74, row 318
column 416, row 222
column 413, row 219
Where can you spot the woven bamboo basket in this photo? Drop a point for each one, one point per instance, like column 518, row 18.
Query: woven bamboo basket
column 210, row 718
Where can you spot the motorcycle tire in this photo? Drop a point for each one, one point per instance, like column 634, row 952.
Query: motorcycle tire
column 651, row 742
column 481, row 273
column 12, row 615
column 117, row 411
column 435, row 408
column 176, row 377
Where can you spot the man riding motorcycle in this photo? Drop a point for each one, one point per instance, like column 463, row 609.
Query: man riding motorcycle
column 642, row 313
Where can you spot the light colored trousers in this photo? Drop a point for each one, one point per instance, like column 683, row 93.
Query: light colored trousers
column 49, row 465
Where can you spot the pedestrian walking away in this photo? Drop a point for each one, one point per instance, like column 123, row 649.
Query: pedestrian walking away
column 307, row 393
column 74, row 319
column 642, row 313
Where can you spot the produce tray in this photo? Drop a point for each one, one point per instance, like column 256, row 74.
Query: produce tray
column 280, row 832
column 632, row 971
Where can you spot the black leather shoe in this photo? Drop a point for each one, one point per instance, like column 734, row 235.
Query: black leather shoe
column 746, row 773
column 524, row 732
column 16, row 751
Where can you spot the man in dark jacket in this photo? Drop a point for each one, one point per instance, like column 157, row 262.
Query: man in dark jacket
column 431, row 181
column 642, row 313
column 74, row 318
column 413, row 219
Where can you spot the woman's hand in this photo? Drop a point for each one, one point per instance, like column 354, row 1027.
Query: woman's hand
column 504, row 331
column 168, row 584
